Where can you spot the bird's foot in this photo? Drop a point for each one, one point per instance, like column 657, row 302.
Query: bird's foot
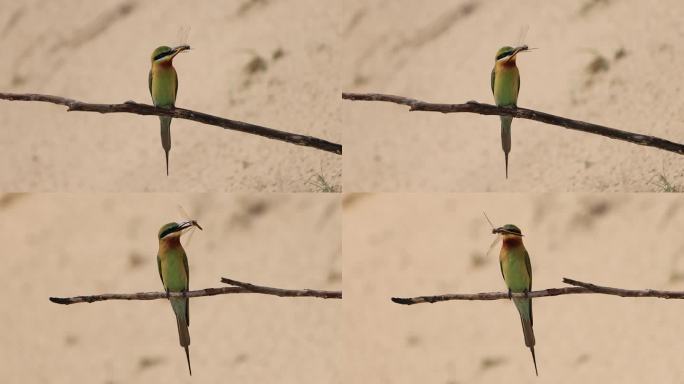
column 510, row 295
column 526, row 293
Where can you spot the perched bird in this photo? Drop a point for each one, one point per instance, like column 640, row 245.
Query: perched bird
column 505, row 86
column 173, row 270
column 163, row 83
column 517, row 273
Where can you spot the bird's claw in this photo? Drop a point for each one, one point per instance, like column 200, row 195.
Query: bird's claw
column 510, row 295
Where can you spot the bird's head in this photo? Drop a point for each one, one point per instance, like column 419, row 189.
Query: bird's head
column 171, row 230
column 507, row 54
column 508, row 230
column 165, row 54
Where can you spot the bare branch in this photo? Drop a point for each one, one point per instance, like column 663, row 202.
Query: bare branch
column 199, row 293
column 626, row 292
column 523, row 113
column 180, row 113
column 284, row 292
column 488, row 295
column 147, row 295
column 579, row 287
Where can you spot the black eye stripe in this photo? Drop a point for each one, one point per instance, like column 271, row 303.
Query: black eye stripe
column 168, row 231
column 501, row 55
column 512, row 230
column 159, row 56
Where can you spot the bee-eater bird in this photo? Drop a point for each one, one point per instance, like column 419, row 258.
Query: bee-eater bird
column 505, row 86
column 517, row 273
column 173, row 270
column 163, row 83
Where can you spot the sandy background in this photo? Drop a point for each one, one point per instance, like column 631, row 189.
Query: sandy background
column 99, row 51
column 411, row 245
column 443, row 51
column 63, row 245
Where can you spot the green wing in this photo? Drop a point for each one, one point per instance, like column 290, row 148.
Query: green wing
column 187, row 287
column 149, row 81
column 528, row 266
column 159, row 267
column 493, row 76
column 187, row 271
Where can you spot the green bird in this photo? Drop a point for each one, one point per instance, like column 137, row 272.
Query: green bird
column 163, row 83
column 173, row 270
column 505, row 86
column 517, row 273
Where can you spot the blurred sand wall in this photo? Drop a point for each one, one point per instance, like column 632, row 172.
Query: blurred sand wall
column 614, row 63
column 66, row 245
column 411, row 245
column 272, row 63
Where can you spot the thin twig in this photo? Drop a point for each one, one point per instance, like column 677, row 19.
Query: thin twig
column 523, row 113
column 199, row 293
column 579, row 287
column 180, row 113
column 284, row 292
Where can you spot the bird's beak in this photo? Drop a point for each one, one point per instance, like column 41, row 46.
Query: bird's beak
column 517, row 50
column 188, row 224
column 180, row 49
